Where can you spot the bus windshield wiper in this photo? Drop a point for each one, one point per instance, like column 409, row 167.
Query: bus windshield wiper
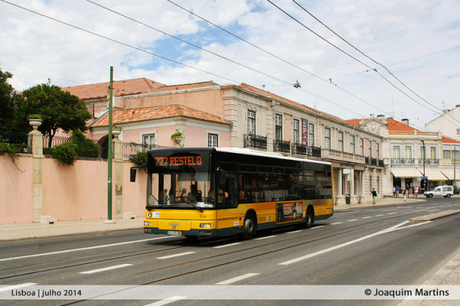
column 199, row 208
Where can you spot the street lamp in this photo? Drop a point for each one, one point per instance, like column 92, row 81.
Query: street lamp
column 424, row 154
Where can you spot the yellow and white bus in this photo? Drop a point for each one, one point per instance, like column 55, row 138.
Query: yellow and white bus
column 208, row 192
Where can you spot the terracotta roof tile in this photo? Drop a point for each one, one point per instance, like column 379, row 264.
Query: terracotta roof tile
column 121, row 116
column 120, row 88
column 449, row 140
column 184, row 86
column 279, row 98
column 393, row 125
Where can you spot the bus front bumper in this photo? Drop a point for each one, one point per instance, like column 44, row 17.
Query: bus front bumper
column 192, row 232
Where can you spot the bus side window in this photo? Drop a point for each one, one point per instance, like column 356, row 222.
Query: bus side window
column 232, row 190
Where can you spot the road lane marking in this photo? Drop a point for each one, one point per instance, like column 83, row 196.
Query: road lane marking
column 336, row 223
column 392, row 213
column 266, row 237
column 352, row 220
column 17, row 286
column 236, row 279
column 175, row 255
column 167, row 301
column 316, row 227
column 106, row 269
column 294, row 232
column 226, row 245
column 368, row 217
column 295, row 260
column 381, row 215
column 84, row 249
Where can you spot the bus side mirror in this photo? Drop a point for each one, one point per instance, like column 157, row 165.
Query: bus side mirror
column 132, row 174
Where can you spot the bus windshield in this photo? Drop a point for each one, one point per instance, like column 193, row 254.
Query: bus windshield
column 181, row 190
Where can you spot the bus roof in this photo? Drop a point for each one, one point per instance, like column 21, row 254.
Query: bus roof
column 243, row 151
column 268, row 154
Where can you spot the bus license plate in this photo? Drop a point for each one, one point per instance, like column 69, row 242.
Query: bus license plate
column 174, row 233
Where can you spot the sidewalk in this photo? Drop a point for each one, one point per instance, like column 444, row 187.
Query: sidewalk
column 20, row 231
column 386, row 200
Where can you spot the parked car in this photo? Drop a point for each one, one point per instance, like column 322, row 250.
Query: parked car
column 444, row 191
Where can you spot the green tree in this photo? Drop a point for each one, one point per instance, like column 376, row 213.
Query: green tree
column 7, row 105
column 58, row 109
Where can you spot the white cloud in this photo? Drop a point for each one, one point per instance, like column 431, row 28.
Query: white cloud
column 397, row 34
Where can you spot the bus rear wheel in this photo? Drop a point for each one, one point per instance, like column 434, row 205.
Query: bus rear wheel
column 249, row 227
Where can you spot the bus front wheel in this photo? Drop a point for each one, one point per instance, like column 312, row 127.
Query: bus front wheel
column 309, row 218
column 249, row 227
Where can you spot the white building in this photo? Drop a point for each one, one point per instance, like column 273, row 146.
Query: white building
column 448, row 123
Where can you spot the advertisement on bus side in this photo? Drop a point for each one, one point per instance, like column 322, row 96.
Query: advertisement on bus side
column 291, row 211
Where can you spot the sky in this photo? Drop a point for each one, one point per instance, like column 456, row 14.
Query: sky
column 351, row 58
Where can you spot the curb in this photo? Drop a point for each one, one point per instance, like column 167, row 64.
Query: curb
column 435, row 216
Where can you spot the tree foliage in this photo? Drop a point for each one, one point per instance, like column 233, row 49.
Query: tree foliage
column 7, row 105
column 58, row 109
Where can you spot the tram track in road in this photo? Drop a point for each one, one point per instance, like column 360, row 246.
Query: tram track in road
column 218, row 265
column 275, row 245
column 185, row 244
column 351, row 227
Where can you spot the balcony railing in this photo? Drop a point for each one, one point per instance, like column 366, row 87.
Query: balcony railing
column 282, row 146
column 310, row 151
column 374, row 162
column 255, row 141
column 414, row 161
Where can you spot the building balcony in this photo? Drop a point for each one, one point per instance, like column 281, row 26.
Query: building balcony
column 310, row 151
column 414, row 161
column 375, row 162
column 282, row 146
column 403, row 161
column 255, row 141
column 342, row 156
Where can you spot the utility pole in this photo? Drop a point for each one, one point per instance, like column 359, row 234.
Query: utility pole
column 109, row 161
column 455, row 171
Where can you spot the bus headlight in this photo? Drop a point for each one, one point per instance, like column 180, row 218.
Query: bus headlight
column 205, row 225
column 146, row 223
column 149, row 215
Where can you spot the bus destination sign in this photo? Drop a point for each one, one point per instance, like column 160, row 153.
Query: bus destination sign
column 178, row 161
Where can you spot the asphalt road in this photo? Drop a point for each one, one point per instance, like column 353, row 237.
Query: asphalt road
column 369, row 246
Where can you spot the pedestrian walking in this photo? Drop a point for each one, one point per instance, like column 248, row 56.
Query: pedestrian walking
column 405, row 194
column 374, row 195
column 416, row 191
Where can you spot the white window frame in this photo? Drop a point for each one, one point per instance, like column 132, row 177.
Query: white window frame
column 340, row 141
column 278, row 127
column 296, row 130
column 213, row 143
column 311, row 135
column 327, row 138
column 149, row 135
column 408, row 152
column 433, row 153
column 352, row 144
column 251, row 122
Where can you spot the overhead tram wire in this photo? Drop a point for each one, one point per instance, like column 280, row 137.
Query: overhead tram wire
column 370, row 58
column 189, row 43
column 275, row 56
column 349, row 55
column 118, row 42
column 223, row 57
column 142, row 50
